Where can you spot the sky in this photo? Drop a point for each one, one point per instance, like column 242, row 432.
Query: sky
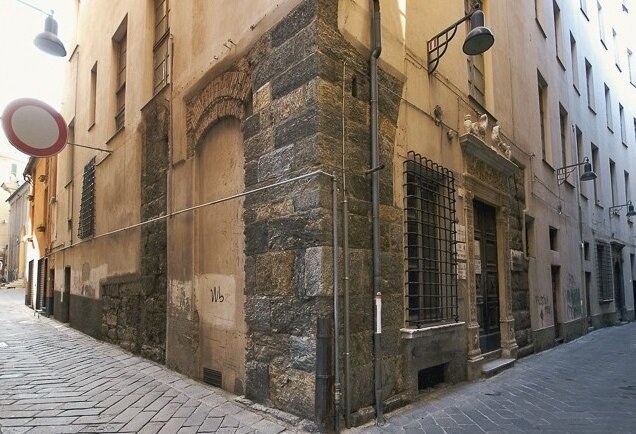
column 26, row 71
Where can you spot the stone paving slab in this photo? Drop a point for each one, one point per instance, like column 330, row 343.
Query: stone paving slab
column 584, row 386
column 54, row 379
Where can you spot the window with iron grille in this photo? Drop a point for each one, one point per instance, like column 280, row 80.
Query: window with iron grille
column 160, row 47
column 431, row 259
column 604, row 272
column 87, row 205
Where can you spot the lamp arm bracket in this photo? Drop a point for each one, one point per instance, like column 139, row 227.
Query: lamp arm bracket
column 436, row 46
column 50, row 14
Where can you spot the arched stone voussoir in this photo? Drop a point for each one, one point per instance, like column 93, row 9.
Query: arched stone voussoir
column 225, row 96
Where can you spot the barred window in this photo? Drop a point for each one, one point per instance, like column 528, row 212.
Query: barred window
column 604, row 272
column 160, row 47
column 431, row 259
column 87, row 205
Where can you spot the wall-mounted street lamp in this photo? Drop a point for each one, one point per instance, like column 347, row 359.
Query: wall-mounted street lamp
column 48, row 41
column 588, row 174
column 630, row 208
column 478, row 40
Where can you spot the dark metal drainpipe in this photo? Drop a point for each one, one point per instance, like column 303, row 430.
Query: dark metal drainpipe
column 376, row 40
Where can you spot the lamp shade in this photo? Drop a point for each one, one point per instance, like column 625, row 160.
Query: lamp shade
column 630, row 210
column 480, row 38
column 588, row 173
column 48, row 41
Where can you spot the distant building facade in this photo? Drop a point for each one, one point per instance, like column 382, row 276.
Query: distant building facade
column 19, row 233
column 202, row 234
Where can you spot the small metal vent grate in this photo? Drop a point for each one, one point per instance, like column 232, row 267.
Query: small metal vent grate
column 212, row 377
column 430, row 377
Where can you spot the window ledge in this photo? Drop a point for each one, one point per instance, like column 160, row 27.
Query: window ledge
column 408, row 333
column 561, row 63
column 536, row 20
column 91, row 126
column 592, row 109
column 576, row 89
column 119, row 130
column 547, row 164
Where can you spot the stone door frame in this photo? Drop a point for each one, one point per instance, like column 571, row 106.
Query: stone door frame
column 483, row 183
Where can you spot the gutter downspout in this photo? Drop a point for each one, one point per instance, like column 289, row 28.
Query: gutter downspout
column 345, row 254
column 376, row 40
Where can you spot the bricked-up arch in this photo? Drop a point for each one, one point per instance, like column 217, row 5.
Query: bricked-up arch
column 225, row 96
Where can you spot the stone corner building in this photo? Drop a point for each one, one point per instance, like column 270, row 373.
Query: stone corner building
column 204, row 238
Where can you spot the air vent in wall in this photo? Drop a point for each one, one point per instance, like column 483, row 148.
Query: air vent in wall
column 212, row 377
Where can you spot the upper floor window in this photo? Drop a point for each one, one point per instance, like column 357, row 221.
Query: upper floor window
column 558, row 37
column 93, row 97
column 160, row 47
column 589, row 78
column 120, row 45
column 601, row 23
column 575, row 62
column 546, row 148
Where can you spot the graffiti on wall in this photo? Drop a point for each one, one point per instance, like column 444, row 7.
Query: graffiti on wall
column 544, row 306
column 573, row 298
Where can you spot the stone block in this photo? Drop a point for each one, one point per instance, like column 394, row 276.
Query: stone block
column 258, row 313
column 304, row 124
column 318, row 271
column 259, row 144
column 293, row 390
column 303, row 353
column 299, row 231
column 267, row 348
column 275, row 164
column 274, row 273
column 251, row 126
column 298, row 19
column 257, row 381
column 294, row 102
column 256, row 236
column 262, row 97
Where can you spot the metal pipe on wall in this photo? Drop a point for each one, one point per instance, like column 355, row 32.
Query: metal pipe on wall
column 345, row 254
column 376, row 39
column 336, row 313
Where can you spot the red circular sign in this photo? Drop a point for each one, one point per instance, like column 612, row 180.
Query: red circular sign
column 34, row 127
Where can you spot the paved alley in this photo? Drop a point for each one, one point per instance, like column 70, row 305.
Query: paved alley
column 584, row 386
column 55, row 379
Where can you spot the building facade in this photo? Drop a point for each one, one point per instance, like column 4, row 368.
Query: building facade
column 201, row 232
column 10, row 167
column 19, row 232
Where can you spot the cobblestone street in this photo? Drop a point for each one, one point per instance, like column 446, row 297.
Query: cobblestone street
column 54, row 379
column 584, row 386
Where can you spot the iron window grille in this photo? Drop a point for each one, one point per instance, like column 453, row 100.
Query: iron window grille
column 604, row 272
column 86, row 226
column 430, row 237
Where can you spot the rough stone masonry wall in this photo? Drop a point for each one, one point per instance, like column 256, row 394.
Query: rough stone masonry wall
column 520, row 289
column 296, row 127
column 134, row 306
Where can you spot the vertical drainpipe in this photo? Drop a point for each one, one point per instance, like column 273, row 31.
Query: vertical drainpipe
column 376, row 49
column 336, row 311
